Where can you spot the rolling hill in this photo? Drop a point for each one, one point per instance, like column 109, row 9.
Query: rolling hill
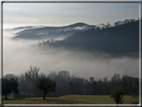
column 42, row 33
column 118, row 40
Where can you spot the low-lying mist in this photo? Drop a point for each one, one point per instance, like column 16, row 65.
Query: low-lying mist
column 19, row 55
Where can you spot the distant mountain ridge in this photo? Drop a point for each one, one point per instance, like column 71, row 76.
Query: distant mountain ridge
column 50, row 32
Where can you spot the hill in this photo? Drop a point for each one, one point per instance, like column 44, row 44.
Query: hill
column 41, row 33
column 121, row 40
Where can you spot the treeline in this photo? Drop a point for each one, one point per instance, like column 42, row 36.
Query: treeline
column 67, row 84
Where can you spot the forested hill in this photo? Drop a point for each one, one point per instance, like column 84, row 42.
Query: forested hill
column 46, row 32
column 119, row 40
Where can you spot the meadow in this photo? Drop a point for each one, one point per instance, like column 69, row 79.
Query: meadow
column 72, row 99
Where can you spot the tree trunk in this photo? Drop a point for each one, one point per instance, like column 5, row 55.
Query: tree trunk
column 44, row 95
column 5, row 95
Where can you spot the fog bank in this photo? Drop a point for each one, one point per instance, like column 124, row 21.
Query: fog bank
column 19, row 55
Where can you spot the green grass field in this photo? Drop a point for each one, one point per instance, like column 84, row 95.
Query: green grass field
column 72, row 99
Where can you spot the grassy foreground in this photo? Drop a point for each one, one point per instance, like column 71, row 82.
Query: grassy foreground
column 72, row 99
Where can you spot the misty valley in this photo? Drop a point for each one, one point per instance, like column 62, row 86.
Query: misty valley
column 67, row 63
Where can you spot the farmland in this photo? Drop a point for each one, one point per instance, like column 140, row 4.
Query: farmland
column 72, row 99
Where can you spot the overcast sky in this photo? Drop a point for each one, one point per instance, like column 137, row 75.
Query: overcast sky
column 59, row 14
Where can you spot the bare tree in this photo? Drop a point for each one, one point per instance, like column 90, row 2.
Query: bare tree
column 32, row 76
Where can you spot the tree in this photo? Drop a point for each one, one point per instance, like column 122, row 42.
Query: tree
column 9, row 85
column 9, row 76
column 91, row 79
column 64, row 74
column 116, row 80
column 105, row 85
column 117, row 95
column 108, row 25
column 46, row 85
column 32, row 76
column 118, row 23
column 23, row 81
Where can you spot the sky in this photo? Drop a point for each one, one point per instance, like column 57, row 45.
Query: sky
column 60, row 14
